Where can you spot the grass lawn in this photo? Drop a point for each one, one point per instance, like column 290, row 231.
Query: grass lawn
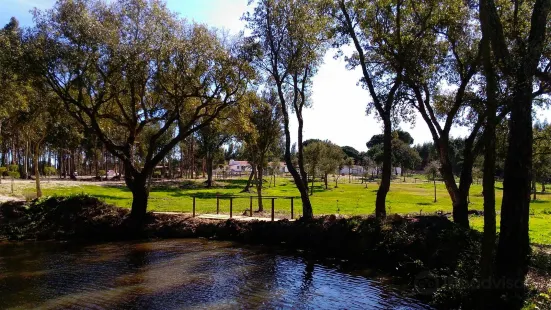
column 348, row 199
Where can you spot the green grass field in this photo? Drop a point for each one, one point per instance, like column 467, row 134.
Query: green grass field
column 347, row 199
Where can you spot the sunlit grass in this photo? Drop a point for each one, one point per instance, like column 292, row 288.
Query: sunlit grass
column 348, row 199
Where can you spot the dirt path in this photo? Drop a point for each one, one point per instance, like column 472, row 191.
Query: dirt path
column 8, row 198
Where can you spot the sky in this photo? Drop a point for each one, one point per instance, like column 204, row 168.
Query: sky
column 339, row 104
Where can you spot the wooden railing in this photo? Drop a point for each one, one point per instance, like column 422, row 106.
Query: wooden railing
column 232, row 197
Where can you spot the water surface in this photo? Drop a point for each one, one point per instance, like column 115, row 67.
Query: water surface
column 179, row 274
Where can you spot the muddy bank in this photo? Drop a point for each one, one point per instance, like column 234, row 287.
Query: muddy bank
column 436, row 257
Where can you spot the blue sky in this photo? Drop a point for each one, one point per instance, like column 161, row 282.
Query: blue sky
column 338, row 111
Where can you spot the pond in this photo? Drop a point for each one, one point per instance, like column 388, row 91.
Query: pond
column 176, row 274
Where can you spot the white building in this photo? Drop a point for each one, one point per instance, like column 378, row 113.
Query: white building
column 239, row 166
column 359, row 170
column 244, row 166
column 281, row 166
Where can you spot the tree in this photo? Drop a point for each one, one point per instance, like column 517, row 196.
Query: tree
column 313, row 154
column 210, row 139
column 376, row 153
column 49, row 171
column 323, row 158
column 2, row 171
column 352, row 152
column 128, row 68
column 11, row 56
column 518, row 57
column 427, row 152
column 367, row 163
column 13, row 172
column 349, row 161
column 432, row 170
column 331, row 162
column 365, row 26
column 403, row 136
column 542, row 156
column 291, row 50
column 261, row 133
column 404, row 156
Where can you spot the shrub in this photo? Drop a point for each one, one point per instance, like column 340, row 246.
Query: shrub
column 49, row 171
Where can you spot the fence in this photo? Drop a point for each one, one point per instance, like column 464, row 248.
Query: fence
column 231, row 198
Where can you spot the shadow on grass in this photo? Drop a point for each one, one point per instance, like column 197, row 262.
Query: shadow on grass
column 424, row 203
column 110, row 197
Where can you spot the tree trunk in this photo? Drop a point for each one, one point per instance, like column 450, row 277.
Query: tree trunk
column 460, row 205
column 380, row 203
column 488, row 178
column 209, row 164
column 300, row 182
column 488, row 190
column 36, row 170
column 25, row 174
column 259, row 184
column 514, row 247
column 300, row 149
column 325, row 180
column 248, row 186
column 140, row 194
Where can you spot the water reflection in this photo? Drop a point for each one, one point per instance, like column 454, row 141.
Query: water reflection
column 175, row 274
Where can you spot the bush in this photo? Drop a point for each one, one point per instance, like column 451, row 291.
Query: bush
column 49, row 171
column 13, row 171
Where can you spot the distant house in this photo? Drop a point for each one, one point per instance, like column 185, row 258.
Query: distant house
column 354, row 170
column 282, row 167
column 239, row 166
column 245, row 166
column 359, row 170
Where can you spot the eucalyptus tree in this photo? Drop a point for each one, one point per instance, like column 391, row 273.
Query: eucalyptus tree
column 520, row 46
column 130, row 67
column 291, row 37
column 365, row 24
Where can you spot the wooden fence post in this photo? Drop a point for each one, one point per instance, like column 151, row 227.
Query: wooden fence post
column 273, row 208
column 193, row 206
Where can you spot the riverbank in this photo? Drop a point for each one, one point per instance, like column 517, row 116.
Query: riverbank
column 349, row 199
column 438, row 259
